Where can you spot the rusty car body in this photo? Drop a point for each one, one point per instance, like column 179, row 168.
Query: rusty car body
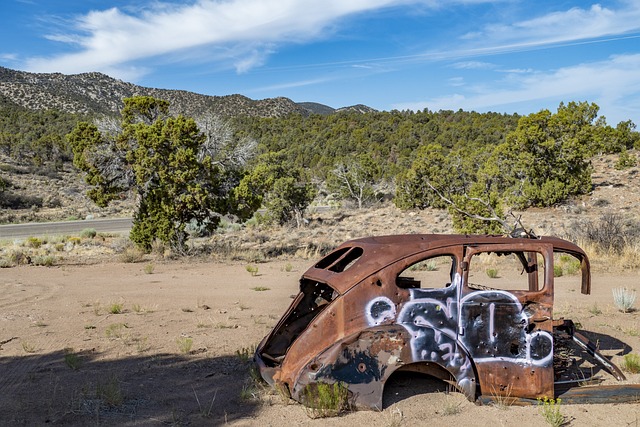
column 363, row 313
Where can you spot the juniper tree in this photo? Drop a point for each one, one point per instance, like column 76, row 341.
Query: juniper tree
column 277, row 186
column 167, row 162
column 544, row 161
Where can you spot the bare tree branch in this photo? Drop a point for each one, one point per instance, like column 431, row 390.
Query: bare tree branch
column 495, row 216
column 219, row 143
column 108, row 125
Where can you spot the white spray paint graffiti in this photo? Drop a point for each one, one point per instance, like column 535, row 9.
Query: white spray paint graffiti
column 520, row 318
column 433, row 319
column 492, row 321
column 380, row 310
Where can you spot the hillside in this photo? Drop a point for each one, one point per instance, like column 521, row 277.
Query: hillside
column 62, row 196
column 97, row 93
column 38, row 182
column 315, row 108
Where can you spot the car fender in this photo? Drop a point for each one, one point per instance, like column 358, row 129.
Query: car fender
column 365, row 360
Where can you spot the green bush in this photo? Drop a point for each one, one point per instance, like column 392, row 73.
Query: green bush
column 74, row 240
column 88, row 233
column 252, row 269
column 557, row 270
column 626, row 161
column 544, row 161
column 162, row 158
column 551, row 412
column 573, row 267
column 325, row 400
column 110, row 392
column 45, row 261
column 115, row 308
column 33, row 242
column 631, row 363
column 71, row 359
column 492, row 273
column 184, row 344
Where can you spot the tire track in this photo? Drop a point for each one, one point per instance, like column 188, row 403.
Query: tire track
column 16, row 295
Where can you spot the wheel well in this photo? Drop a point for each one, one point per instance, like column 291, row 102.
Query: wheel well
column 427, row 368
column 414, row 379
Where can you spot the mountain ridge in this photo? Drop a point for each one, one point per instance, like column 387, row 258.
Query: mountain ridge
column 98, row 93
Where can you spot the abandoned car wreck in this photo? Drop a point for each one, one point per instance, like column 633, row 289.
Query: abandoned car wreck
column 379, row 305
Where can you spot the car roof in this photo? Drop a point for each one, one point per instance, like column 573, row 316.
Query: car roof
column 378, row 252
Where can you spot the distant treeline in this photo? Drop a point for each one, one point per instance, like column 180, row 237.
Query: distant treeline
column 318, row 143
column 35, row 138
column 534, row 160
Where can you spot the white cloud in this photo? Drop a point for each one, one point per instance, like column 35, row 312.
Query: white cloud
column 473, row 65
column 567, row 26
column 456, row 81
column 613, row 84
column 110, row 38
column 252, row 59
column 9, row 57
column 242, row 32
column 295, row 84
column 575, row 26
column 517, row 71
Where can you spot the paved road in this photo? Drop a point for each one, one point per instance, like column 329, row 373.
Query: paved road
column 106, row 225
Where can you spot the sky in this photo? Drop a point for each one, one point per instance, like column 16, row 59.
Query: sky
column 506, row 56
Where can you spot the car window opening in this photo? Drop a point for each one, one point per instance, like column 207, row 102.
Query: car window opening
column 507, row 270
column 434, row 272
column 314, row 297
column 340, row 260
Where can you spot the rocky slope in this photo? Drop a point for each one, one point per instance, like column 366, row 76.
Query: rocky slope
column 98, row 93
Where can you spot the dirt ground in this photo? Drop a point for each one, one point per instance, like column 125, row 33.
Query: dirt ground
column 177, row 352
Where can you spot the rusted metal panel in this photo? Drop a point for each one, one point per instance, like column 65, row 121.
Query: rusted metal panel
column 592, row 349
column 357, row 321
column 499, row 378
column 627, row 393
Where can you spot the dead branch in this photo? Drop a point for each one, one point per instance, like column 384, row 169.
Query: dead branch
column 495, row 216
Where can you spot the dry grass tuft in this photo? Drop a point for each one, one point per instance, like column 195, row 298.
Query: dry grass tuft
column 132, row 254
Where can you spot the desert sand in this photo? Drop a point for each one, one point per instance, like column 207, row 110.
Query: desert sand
column 177, row 352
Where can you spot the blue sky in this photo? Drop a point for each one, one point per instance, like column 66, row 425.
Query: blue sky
column 483, row 55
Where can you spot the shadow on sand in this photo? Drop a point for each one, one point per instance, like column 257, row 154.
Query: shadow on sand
column 84, row 388
column 579, row 366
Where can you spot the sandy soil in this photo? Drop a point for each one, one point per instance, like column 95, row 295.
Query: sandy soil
column 174, row 355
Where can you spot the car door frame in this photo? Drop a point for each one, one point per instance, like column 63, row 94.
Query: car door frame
column 509, row 333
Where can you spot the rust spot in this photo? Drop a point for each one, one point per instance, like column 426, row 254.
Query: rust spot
column 385, row 344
